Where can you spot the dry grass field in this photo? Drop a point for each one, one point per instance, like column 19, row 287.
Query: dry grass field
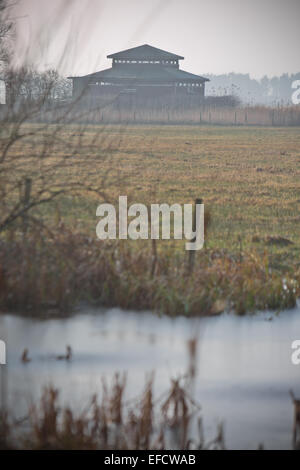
column 249, row 179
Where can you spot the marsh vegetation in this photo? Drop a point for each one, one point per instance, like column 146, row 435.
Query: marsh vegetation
column 248, row 179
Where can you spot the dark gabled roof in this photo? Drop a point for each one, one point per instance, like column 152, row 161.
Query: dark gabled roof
column 145, row 52
column 144, row 72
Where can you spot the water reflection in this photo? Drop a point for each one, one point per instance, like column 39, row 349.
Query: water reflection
column 239, row 369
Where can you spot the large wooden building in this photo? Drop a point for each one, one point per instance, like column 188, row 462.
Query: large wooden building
column 142, row 75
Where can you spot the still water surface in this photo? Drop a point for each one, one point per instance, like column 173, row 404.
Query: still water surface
column 243, row 365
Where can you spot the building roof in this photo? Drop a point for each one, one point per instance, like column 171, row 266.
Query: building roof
column 144, row 72
column 145, row 52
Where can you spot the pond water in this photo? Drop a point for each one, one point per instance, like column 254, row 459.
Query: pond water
column 243, row 368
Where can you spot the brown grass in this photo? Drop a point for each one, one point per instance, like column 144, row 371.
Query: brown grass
column 112, row 423
column 54, row 274
column 247, row 177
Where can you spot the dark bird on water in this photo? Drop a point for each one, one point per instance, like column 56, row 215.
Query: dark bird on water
column 25, row 357
column 67, row 356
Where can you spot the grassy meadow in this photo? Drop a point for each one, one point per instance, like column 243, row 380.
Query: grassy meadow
column 248, row 178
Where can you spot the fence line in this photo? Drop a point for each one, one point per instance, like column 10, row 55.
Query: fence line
column 250, row 116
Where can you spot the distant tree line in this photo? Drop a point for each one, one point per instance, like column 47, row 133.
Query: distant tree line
column 29, row 85
column 266, row 91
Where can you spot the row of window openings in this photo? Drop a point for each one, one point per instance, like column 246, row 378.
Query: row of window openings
column 177, row 84
column 172, row 62
column 189, row 84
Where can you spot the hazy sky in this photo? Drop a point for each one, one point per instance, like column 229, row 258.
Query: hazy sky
column 215, row 36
